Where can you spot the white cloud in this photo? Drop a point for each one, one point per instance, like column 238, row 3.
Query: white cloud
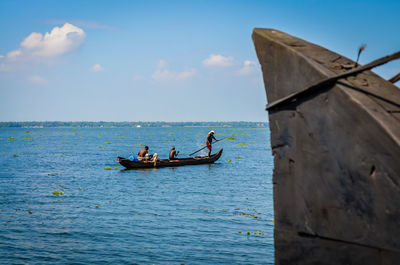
column 162, row 64
column 249, row 67
column 13, row 54
column 218, row 60
column 186, row 74
column 97, row 68
column 36, row 79
column 162, row 73
column 1, row 56
column 59, row 41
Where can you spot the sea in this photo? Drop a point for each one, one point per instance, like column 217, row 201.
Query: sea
column 64, row 199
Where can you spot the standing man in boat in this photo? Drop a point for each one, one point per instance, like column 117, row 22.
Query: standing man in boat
column 210, row 137
column 172, row 153
column 142, row 153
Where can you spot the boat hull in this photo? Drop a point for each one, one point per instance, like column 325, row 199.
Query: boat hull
column 129, row 164
column 336, row 156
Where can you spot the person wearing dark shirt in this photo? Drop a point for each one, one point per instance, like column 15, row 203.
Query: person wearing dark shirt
column 142, row 153
column 210, row 137
column 172, row 153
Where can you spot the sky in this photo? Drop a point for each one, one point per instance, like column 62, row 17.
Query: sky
column 166, row 60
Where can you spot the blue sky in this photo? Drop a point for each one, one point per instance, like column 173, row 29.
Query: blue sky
column 166, row 60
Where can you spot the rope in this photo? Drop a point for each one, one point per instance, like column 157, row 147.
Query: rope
column 330, row 81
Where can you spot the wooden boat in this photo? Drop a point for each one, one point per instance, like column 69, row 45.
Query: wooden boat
column 197, row 160
column 335, row 137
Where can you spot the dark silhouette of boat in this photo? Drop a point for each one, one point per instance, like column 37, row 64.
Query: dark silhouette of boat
column 197, row 160
column 335, row 137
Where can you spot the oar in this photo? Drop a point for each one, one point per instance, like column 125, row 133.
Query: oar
column 205, row 147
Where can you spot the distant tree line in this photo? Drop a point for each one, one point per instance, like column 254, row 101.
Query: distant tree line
column 107, row 124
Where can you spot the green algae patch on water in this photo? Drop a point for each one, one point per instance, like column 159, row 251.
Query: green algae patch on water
column 58, row 193
column 171, row 134
column 238, row 157
column 243, row 144
column 15, row 155
column 108, row 143
column 259, row 232
column 28, row 138
column 244, row 134
column 230, row 138
column 116, row 168
column 220, row 134
column 107, row 168
column 201, row 135
column 11, row 138
column 229, row 160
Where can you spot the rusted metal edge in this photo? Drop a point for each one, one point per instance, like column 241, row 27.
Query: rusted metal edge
column 331, row 80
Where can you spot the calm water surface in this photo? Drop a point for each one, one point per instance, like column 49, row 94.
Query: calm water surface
column 206, row 214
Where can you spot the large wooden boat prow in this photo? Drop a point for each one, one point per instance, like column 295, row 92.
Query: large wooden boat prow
column 336, row 155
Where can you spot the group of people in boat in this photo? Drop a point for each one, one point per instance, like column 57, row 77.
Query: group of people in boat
column 143, row 154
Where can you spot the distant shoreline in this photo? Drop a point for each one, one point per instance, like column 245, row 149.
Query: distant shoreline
column 139, row 124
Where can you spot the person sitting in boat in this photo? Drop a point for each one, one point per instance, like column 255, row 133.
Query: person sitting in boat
column 172, row 153
column 143, row 152
column 210, row 137
column 154, row 159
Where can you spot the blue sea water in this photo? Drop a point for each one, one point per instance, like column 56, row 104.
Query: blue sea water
column 206, row 214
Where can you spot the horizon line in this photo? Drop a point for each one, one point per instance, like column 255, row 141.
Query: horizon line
column 131, row 121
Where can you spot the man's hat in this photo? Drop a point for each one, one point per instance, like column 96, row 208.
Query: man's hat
column 212, row 131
